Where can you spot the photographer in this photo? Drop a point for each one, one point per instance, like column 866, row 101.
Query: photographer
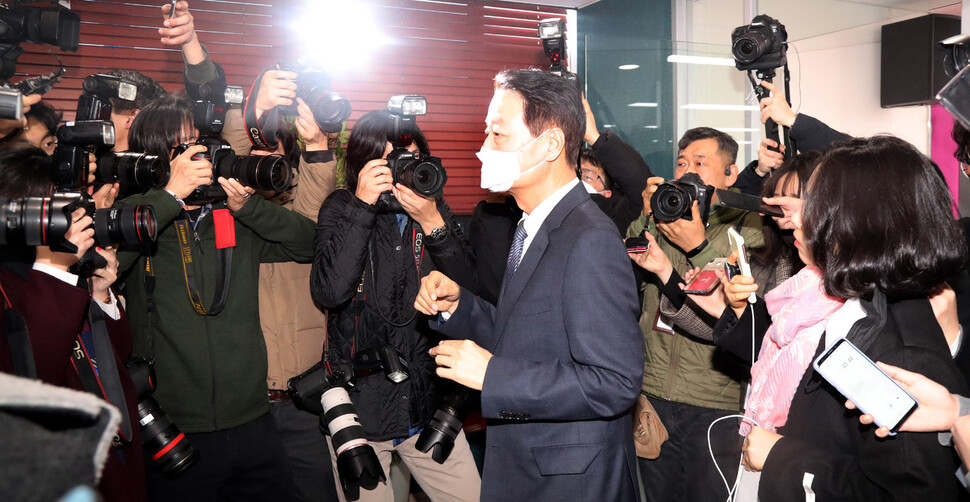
column 684, row 377
column 366, row 271
column 41, row 128
column 35, row 279
column 211, row 367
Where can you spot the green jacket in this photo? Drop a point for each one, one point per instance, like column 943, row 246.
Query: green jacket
column 211, row 369
column 678, row 367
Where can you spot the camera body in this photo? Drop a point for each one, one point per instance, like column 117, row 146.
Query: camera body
column 55, row 25
column 212, row 101
column 673, row 199
column 167, row 446
column 424, row 175
column 330, row 109
column 761, row 45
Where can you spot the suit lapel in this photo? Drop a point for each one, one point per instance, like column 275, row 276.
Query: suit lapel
column 510, row 293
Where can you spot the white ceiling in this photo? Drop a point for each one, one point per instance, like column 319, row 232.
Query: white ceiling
column 569, row 4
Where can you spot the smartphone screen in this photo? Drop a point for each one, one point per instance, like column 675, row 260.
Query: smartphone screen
column 859, row 379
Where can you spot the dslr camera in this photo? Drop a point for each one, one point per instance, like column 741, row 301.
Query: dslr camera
column 673, row 199
column 162, row 440
column 322, row 390
column 424, row 175
column 262, row 172
column 93, row 132
column 761, row 45
column 330, row 109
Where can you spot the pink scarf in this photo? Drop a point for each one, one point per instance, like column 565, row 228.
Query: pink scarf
column 788, row 348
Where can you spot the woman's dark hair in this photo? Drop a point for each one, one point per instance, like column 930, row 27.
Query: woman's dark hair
column 800, row 167
column 25, row 171
column 159, row 125
column 368, row 140
column 291, row 148
column 877, row 214
column 961, row 136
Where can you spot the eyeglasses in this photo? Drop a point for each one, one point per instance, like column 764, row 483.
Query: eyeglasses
column 589, row 176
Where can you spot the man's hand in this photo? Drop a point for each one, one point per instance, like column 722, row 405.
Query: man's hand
column 462, row 361
column 80, row 233
column 769, row 160
column 938, row 409
column 276, row 89
column 9, row 126
column 103, row 278
column 186, row 174
column 592, row 134
column 105, row 196
column 437, row 293
column 177, row 30
column 789, row 206
column 314, row 140
column 654, row 259
column 237, row 195
column 422, row 209
column 775, row 107
column 647, row 194
column 756, row 448
column 683, row 233
column 374, row 179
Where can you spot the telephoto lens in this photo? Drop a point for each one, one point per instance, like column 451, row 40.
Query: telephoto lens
column 133, row 169
column 262, row 172
column 357, row 463
column 443, row 428
column 35, row 221
column 132, row 224
column 161, row 439
column 670, row 203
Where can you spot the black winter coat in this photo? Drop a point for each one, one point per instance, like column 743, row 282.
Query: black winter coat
column 365, row 273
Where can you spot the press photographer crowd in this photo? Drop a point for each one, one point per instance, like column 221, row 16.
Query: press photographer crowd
column 193, row 309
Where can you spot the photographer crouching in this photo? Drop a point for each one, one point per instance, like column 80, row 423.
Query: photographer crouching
column 375, row 240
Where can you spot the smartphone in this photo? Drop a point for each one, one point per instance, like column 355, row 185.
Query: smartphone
column 737, row 245
column 748, row 203
column 874, row 392
column 706, row 281
column 637, row 245
column 171, row 13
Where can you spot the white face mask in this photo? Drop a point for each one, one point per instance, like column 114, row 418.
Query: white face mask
column 501, row 169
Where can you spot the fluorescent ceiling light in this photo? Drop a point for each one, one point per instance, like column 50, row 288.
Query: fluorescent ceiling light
column 651, row 127
column 725, row 108
column 609, row 126
column 641, row 104
column 629, row 66
column 678, row 58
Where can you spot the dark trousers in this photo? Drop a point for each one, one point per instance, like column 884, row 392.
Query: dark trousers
column 307, row 451
column 684, row 471
column 241, row 463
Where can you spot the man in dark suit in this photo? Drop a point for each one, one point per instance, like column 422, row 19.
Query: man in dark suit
column 560, row 358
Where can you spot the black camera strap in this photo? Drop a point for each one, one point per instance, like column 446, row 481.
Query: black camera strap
column 21, row 351
column 224, row 258
column 417, row 248
column 262, row 137
column 102, row 378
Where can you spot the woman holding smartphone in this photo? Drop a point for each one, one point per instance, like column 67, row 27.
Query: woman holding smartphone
column 875, row 233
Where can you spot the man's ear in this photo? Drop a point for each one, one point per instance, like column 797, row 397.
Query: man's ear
column 557, row 144
column 131, row 117
column 731, row 174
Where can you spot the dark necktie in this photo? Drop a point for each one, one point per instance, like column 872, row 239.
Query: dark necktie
column 515, row 252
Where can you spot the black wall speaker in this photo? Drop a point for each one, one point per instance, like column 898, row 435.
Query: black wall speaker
column 912, row 65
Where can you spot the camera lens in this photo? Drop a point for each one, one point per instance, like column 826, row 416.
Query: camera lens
column 425, row 176
column 34, row 221
column 750, row 47
column 133, row 169
column 262, row 172
column 357, row 463
column 162, row 440
column 670, row 203
column 330, row 111
column 124, row 225
column 440, row 433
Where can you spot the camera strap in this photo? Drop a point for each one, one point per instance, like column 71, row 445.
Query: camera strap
column 224, row 258
column 417, row 248
column 102, row 378
column 21, row 351
column 260, row 138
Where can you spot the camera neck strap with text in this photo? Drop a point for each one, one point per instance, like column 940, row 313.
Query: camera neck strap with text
column 263, row 136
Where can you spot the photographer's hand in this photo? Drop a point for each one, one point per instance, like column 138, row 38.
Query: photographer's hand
column 437, row 293
column 105, row 196
column 789, row 206
column 647, row 194
column 186, row 174
column 422, row 209
column 237, row 195
column 81, row 234
column 314, row 139
column 683, row 233
column 592, row 134
column 103, row 278
column 768, row 159
column 9, row 126
column 776, row 108
column 179, row 31
column 374, row 179
column 276, row 89
column 654, row 260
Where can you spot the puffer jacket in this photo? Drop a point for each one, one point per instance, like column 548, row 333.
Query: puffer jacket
column 678, row 367
column 366, row 273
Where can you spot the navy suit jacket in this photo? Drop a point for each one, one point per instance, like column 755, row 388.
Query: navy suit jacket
column 567, row 365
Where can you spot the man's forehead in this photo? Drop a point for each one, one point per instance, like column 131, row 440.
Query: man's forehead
column 505, row 108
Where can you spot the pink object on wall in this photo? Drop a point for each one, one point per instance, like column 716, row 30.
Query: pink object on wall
column 941, row 149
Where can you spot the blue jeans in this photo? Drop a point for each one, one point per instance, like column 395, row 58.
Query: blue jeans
column 684, row 471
